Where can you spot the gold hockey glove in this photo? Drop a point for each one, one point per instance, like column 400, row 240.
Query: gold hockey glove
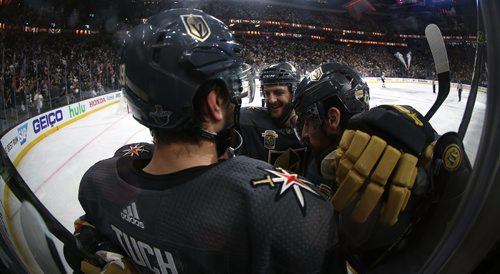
column 378, row 159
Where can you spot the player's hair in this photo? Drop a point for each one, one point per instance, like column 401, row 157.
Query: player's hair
column 191, row 135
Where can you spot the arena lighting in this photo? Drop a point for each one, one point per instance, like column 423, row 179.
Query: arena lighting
column 277, row 34
column 404, row 2
column 355, row 3
column 356, row 8
column 52, row 30
column 30, row 29
column 371, row 42
column 37, row 29
column 316, row 37
column 296, row 25
column 416, row 36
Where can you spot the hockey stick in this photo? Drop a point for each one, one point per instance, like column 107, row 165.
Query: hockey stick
column 22, row 191
column 438, row 49
column 476, row 74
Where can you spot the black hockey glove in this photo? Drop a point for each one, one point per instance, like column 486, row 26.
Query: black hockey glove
column 378, row 159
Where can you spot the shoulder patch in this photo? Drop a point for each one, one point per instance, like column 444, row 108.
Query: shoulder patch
column 287, row 182
column 270, row 137
column 138, row 150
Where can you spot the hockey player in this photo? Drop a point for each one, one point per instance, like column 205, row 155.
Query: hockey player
column 460, row 87
column 335, row 92
column 390, row 174
column 183, row 211
column 267, row 132
column 382, row 78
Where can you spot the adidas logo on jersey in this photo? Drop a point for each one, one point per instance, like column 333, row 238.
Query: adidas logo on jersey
column 130, row 214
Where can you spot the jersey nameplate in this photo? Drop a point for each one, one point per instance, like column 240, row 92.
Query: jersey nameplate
column 146, row 255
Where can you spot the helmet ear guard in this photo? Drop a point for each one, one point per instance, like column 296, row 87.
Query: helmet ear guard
column 208, row 62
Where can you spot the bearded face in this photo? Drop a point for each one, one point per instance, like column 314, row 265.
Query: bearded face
column 278, row 101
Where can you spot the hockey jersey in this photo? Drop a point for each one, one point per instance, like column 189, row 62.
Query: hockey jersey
column 264, row 140
column 237, row 216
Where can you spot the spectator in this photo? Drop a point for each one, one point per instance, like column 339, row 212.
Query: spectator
column 38, row 100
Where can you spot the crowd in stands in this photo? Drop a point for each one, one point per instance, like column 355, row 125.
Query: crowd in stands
column 51, row 70
column 61, row 68
column 389, row 21
column 61, row 14
column 370, row 60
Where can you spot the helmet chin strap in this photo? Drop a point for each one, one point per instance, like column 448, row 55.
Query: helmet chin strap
column 222, row 138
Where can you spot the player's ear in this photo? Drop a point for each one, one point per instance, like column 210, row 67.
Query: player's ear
column 215, row 109
column 333, row 119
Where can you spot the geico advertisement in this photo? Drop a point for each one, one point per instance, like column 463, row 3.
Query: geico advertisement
column 19, row 137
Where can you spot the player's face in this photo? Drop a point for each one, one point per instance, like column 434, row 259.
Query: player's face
column 278, row 100
column 311, row 134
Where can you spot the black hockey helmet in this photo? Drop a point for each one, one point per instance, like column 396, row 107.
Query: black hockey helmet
column 329, row 80
column 168, row 58
column 281, row 73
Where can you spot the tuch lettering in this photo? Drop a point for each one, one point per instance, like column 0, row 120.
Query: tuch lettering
column 145, row 255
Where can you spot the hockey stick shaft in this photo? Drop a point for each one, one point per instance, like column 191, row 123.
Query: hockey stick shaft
column 478, row 66
column 21, row 190
column 438, row 49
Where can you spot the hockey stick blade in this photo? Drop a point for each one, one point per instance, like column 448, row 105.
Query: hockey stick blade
column 438, row 50
column 39, row 239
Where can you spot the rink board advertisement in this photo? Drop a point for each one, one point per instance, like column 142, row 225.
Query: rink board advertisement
column 19, row 140
column 16, row 143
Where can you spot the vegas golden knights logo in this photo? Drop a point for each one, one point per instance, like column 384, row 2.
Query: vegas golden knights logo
column 196, row 26
column 316, row 74
column 359, row 94
column 270, row 139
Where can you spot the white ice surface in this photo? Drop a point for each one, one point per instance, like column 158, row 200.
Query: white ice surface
column 55, row 166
